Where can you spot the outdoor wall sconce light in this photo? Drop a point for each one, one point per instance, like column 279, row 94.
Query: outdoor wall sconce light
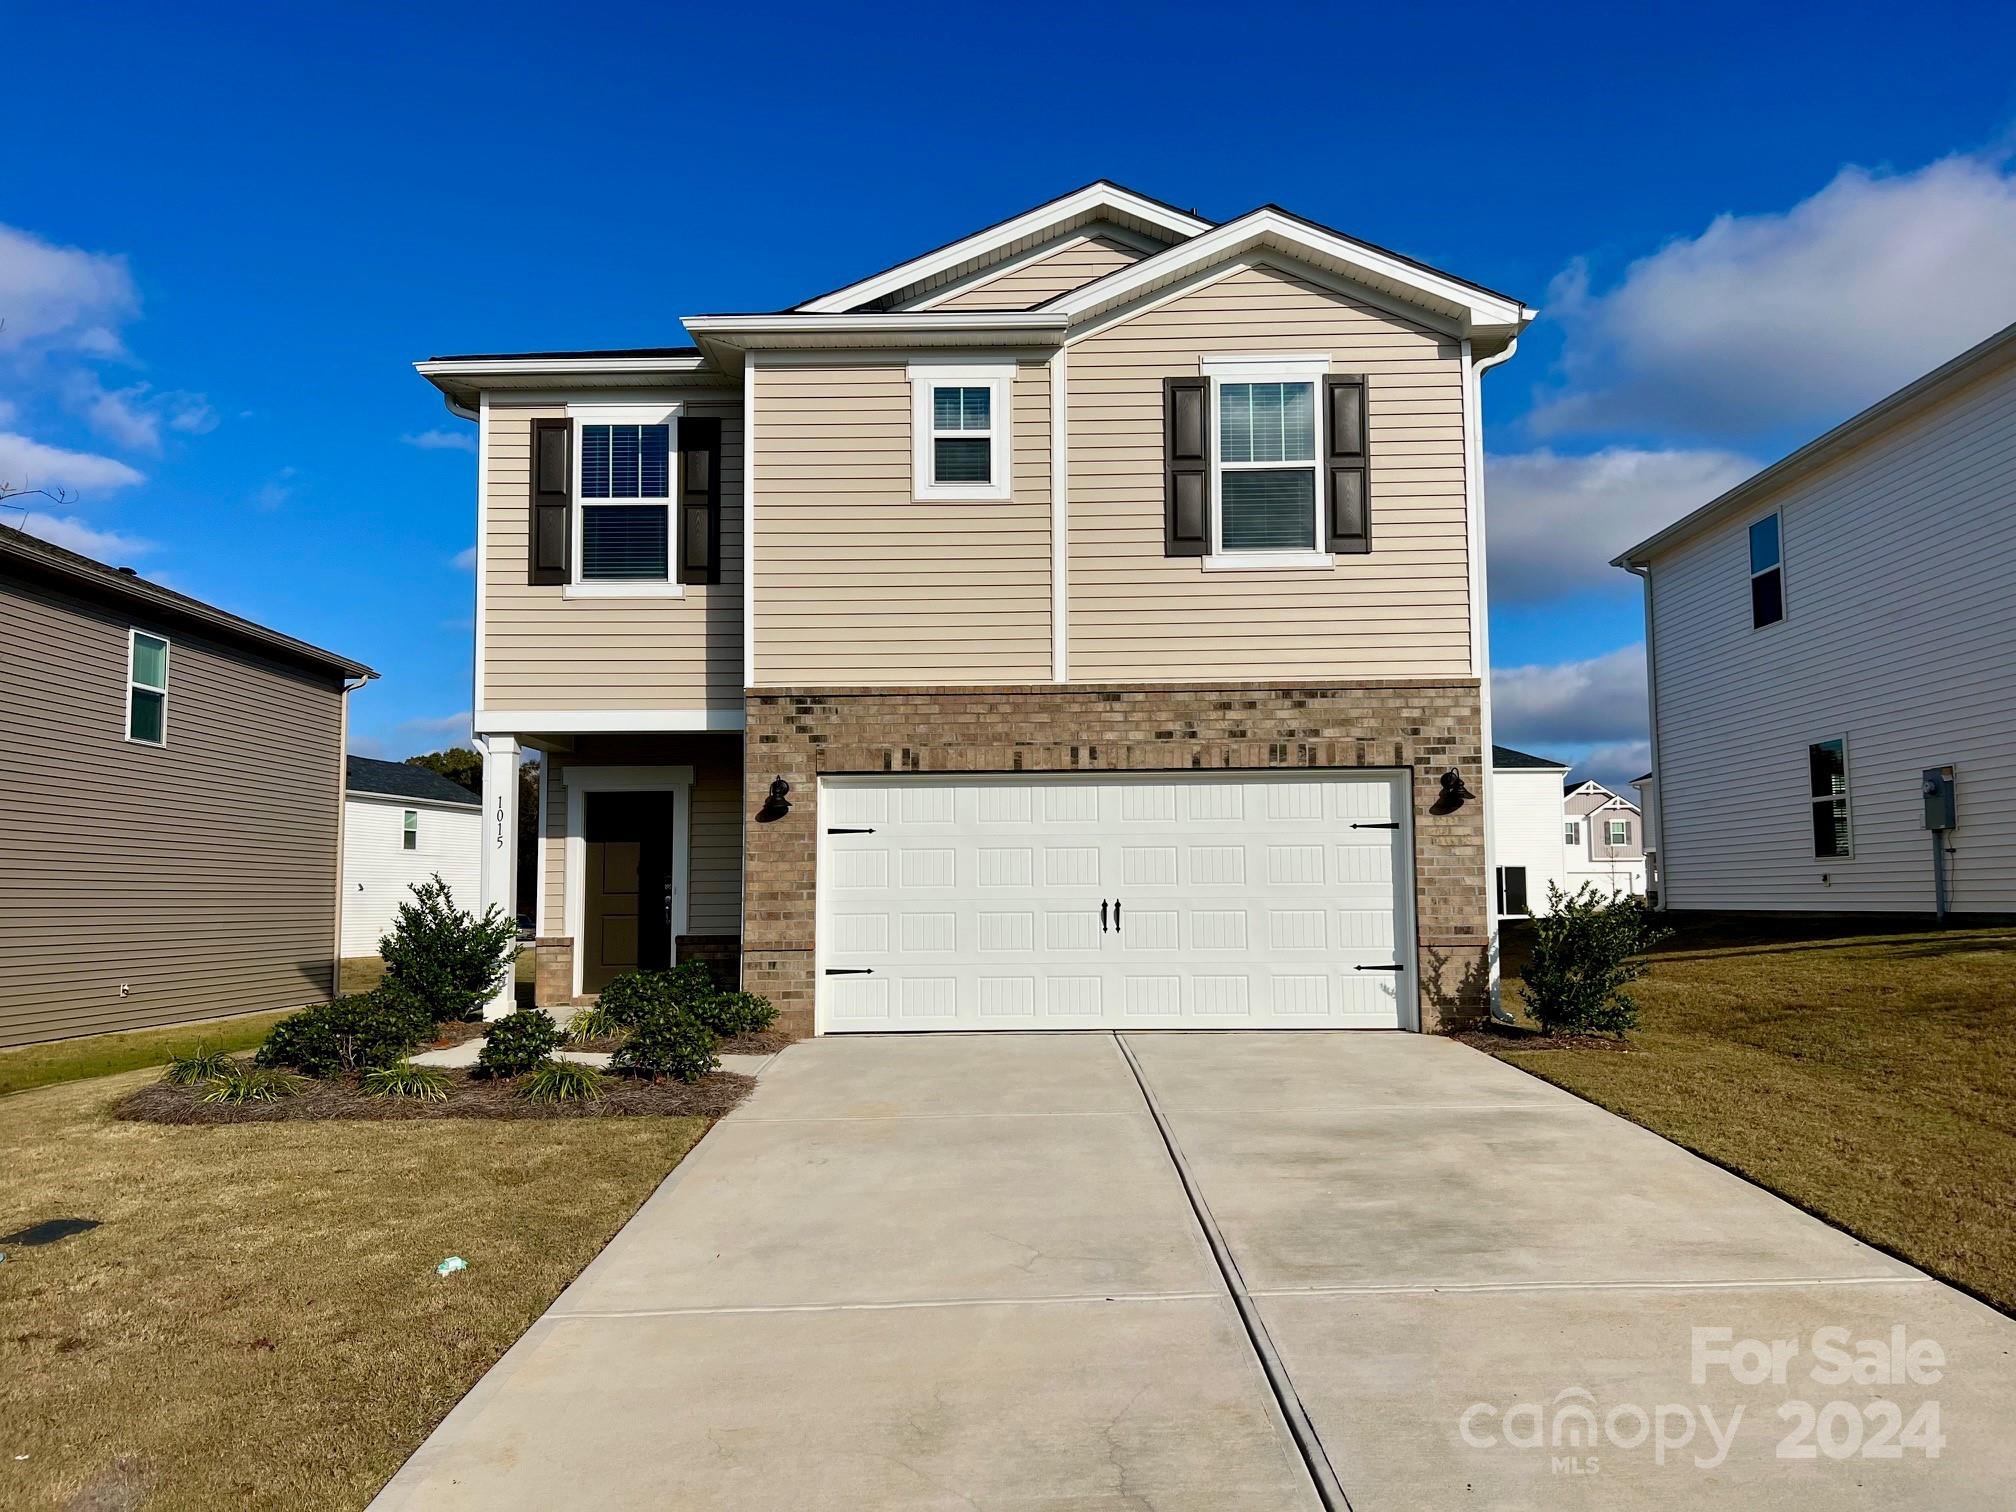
column 1454, row 793
column 777, row 805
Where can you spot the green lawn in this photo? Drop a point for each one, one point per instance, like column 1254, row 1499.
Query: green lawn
column 1864, row 1070
column 105, row 1054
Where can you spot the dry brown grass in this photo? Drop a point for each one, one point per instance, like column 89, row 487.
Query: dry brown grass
column 257, row 1322
column 1865, row 1070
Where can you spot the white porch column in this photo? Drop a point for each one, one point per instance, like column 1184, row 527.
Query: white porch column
column 500, row 843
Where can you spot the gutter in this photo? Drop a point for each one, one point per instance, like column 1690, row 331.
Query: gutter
column 1474, row 466
column 1655, row 827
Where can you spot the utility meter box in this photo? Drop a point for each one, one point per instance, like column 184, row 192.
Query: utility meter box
column 1938, row 790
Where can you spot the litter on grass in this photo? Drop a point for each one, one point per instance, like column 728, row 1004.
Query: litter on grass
column 451, row 1265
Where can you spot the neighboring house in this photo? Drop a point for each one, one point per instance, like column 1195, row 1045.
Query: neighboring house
column 174, row 779
column 1069, row 627
column 403, row 824
column 1648, row 805
column 1828, row 637
column 1603, row 841
column 1526, row 818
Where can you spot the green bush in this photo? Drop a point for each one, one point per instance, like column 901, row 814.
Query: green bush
column 1587, row 950
column 670, row 1042
column 349, row 1034
column 595, row 1023
column 731, row 1013
column 564, row 1081
column 250, row 1084
column 200, row 1065
column 517, row 1043
column 404, row 1079
column 446, row 962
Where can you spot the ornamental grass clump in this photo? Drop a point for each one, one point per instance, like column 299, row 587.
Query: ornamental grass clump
column 200, row 1065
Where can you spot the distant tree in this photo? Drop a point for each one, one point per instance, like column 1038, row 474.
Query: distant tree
column 458, row 764
column 464, row 767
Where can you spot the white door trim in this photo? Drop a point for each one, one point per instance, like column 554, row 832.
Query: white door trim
column 583, row 780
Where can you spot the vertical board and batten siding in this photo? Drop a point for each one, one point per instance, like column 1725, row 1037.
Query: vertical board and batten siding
column 1899, row 634
column 1073, row 265
column 542, row 650
column 1403, row 610
column 379, row 873
column 859, row 582
column 202, row 874
column 714, row 904
column 1526, row 829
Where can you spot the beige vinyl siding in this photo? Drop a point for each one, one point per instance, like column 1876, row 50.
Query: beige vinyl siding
column 201, row 874
column 542, row 650
column 858, row 582
column 1403, row 610
column 714, row 905
column 1074, row 264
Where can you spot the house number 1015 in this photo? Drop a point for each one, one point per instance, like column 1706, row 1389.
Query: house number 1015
column 500, row 822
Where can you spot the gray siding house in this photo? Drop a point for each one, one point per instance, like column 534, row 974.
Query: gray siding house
column 174, row 792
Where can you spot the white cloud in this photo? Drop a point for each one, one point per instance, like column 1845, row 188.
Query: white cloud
column 464, row 560
column 441, row 440
column 276, row 490
column 1614, row 765
column 455, row 726
column 135, row 416
column 62, row 298
column 77, row 535
column 1554, row 522
column 1577, row 703
column 26, row 463
column 1795, row 317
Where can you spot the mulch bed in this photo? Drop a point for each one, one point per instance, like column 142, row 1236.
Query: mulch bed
column 1492, row 1038
column 453, row 1032
column 468, row 1097
column 763, row 1042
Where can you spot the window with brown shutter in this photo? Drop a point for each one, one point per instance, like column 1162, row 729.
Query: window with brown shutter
column 1347, row 465
column 1186, row 468
column 700, row 500
column 552, row 493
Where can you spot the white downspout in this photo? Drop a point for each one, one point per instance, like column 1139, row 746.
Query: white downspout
column 1655, row 824
column 1481, row 635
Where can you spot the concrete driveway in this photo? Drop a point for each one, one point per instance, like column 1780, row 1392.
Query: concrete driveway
column 1270, row 1270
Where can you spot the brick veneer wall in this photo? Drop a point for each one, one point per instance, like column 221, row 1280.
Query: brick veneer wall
column 797, row 734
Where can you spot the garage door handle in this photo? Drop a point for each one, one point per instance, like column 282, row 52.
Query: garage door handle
column 1388, row 824
column 1396, row 966
column 850, row 831
column 1116, row 916
column 850, row 971
column 1102, row 916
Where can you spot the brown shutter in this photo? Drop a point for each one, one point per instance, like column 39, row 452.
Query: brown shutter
column 700, row 501
column 552, row 492
column 1347, row 466
column 1186, row 468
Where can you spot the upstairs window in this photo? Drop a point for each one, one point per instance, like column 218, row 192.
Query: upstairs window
column 1267, row 467
column 147, row 689
column 1767, row 573
column 626, row 502
column 1827, row 786
column 1616, row 832
column 1574, row 832
column 961, row 420
column 410, row 834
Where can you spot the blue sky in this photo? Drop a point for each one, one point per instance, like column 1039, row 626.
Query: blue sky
column 226, row 232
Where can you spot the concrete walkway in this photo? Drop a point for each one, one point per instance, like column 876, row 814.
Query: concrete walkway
column 964, row 1271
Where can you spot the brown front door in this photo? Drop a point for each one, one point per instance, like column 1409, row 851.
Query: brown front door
column 627, row 913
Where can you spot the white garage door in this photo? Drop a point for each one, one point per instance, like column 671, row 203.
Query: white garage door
column 1178, row 900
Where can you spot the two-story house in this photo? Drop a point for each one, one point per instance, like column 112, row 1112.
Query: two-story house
column 1602, row 840
column 1079, row 625
column 1831, row 649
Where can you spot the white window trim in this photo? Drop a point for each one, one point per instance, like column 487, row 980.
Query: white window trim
column 996, row 377
column 1284, row 367
column 625, row 588
column 1784, row 604
column 134, row 685
column 1847, row 785
column 409, row 824
column 579, row 781
column 1610, row 828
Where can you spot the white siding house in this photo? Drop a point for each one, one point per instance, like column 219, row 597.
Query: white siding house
column 1526, row 818
column 401, row 825
column 1821, row 636
column 1603, row 838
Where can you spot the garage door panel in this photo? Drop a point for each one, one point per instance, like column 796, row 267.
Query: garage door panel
column 1244, row 899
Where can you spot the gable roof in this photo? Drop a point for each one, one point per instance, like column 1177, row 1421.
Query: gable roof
column 399, row 779
column 1912, row 400
column 1505, row 759
column 122, row 584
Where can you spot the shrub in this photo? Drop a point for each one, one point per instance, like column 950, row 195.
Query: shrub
column 517, row 1043
column 636, row 993
column 595, row 1023
column 668, row 1042
column 349, row 1034
column 1586, row 951
column 404, row 1079
column 563, row 1081
column 731, row 1013
column 250, row 1084
column 446, row 962
column 200, row 1065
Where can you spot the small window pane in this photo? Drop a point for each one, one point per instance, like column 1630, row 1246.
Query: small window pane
column 150, row 661
column 954, row 409
column 958, row 461
column 626, row 461
column 1269, row 511
column 1574, row 834
column 594, row 461
column 147, row 716
column 1764, row 544
column 654, row 452
column 624, row 542
column 1618, row 832
column 1830, row 827
column 1827, row 769
column 1267, row 422
column 1767, row 599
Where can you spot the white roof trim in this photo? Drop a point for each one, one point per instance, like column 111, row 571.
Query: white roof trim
column 895, row 322
column 504, row 367
column 1091, row 199
column 1471, row 306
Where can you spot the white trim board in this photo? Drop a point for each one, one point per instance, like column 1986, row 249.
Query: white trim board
column 583, row 780
column 608, row 721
